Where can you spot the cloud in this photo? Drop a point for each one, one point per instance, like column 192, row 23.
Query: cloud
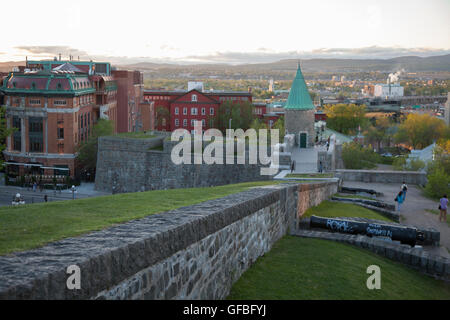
column 261, row 55
column 52, row 50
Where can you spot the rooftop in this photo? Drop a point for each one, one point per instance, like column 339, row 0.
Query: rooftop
column 299, row 98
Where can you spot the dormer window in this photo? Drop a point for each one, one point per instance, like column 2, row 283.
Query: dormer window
column 33, row 86
column 194, row 98
column 59, row 86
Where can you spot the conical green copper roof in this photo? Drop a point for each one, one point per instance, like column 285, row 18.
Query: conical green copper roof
column 299, row 98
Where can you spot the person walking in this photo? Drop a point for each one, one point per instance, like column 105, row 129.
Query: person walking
column 320, row 167
column 399, row 199
column 292, row 166
column 404, row 188
column 443, row 208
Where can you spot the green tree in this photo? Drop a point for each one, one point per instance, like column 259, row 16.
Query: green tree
column 4, row 133
column 346, row 118
column 87, row 151
column 279, row 124
column 356, row 156
column 241, row 114
column 380, row 132
column 162, row 114
column 421, row 130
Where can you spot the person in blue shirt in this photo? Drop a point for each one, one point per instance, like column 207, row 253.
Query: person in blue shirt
column 400, row 198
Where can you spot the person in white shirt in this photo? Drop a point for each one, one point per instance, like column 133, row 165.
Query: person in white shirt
column 404, row 188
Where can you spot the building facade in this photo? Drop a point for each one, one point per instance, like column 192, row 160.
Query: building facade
column 53, row 106
column 179, row 109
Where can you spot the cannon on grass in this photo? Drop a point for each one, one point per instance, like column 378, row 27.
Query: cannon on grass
column 406, row 235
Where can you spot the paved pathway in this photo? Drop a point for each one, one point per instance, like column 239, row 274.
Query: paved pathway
column 413, row 209
column 305, row 160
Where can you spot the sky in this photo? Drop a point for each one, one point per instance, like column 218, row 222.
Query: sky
column 231, row 31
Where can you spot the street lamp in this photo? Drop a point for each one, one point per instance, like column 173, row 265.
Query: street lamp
column 230, row 123
column 73, row 192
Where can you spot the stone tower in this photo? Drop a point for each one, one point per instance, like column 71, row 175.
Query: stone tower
column 299, row 113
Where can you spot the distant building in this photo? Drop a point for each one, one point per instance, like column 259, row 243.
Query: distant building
column 271, row 87
column 447, row 110
column 389, row 90
column 179, row 109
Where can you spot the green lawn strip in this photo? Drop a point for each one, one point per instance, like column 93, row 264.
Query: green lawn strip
column 337, row 209
column 353, row 196
column 33, row 225
column 310, row 175
column 300, row 268
column 436, row 212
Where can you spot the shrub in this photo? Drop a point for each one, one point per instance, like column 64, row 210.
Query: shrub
column 357, row 157
column 438, row 183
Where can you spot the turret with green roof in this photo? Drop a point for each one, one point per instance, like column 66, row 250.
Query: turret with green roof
column 299, row 98
column 299, row 113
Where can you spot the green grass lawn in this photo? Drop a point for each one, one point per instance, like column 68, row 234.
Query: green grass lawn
column 300, row 268
column 353, row 196
column 310, row 175
column 338, row 209
column 33, row 225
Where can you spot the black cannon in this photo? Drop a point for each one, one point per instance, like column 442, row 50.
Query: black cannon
column 406, row 235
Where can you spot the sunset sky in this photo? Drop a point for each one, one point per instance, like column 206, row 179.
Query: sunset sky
column 232, row 31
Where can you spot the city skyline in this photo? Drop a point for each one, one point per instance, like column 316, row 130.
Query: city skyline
column 239, row 32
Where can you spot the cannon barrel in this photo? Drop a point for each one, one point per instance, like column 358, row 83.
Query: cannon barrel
column 406, row 235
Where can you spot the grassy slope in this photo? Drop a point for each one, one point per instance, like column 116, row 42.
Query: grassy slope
column 337, row 209
column 310, row 175
column 300, row 268
column 34, row 225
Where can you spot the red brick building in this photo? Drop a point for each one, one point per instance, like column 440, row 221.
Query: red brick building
column 53, row 106
column 179, row 109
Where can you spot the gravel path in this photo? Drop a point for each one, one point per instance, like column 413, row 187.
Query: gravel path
column 413, row 211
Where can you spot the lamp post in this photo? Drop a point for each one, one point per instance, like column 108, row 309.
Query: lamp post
column 230, row 123
column 73, row 192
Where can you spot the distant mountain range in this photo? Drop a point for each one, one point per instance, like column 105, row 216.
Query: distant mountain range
column 409, row 63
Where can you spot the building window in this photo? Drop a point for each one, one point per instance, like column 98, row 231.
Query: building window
column 177, row 122
column 184, row 111
column 203, row 111
column 33, row 86
column 211, row 111
column 184, row 122
column 192, row 122
column 60, row 133
column 59, row 102
column 194, row 98
column 59, row 86
column 203, row 123
column 194, row 111
column 17, row 135
column 35, row 101
column 163, row 121
column 35, row 133
column 176, row 110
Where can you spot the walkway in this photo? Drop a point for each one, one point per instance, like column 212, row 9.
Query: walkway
column 413, row 209
column 305, row 160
